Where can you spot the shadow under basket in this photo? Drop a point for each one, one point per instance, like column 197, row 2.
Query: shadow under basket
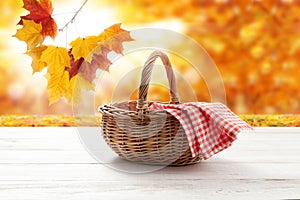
column 146, row 136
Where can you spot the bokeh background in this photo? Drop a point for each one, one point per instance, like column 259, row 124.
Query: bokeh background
column 254, row 44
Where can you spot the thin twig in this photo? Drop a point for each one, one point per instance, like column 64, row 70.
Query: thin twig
column 73, row 18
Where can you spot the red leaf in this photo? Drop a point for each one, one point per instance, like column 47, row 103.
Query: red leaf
column 75, row 65
column 40, row 12
column 86, row 69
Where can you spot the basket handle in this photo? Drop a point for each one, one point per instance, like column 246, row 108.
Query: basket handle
column 142, row 105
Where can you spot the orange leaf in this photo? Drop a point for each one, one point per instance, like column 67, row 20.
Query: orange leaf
column 113, row 37
column 40, row 12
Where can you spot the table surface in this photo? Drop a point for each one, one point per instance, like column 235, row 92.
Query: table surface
column 51, row 163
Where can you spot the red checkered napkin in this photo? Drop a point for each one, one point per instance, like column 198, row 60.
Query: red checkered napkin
column 210, row 127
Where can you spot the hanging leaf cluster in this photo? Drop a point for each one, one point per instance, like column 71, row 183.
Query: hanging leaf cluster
column 65, row 66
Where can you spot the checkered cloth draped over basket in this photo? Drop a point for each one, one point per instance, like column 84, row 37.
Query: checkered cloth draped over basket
column 210, row 127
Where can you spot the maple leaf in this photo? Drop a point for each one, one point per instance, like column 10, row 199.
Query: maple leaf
column 81, row 47
column 40, row 12
column 30, row 33
column 101, row 61
column 74, row 65
column 94, row 51
column 35, row 53
column 57, row 58
column 113, row 37
column 76, row 87
column 58, row 85
column 98, row 58
column 88, row 71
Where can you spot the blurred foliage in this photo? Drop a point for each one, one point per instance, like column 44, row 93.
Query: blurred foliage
column 47, row 120
column 272, row 120
column 255, row 45
column 92, row 120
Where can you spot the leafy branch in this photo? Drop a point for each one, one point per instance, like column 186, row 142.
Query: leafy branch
column 67, row 66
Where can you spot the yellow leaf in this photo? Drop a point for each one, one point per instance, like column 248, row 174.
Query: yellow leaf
column 35, row 53
column 81, row 47
column 57, row 58
column 30, row 33
column 58, row 86
column 99, row 49
column 113, row 37
column 77, row 85
column 110, row 32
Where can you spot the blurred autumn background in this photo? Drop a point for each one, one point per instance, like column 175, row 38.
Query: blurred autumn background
column 255, row 45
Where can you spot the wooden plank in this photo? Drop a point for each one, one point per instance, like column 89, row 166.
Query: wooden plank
column 62, row 145
column 50, row 163
column 182, row 189
column 203, row 180
column 207, row 170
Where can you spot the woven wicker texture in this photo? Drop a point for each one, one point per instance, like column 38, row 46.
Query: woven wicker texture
column 149, row 137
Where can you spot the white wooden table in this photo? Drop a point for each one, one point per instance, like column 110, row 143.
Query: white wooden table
column 51, row 163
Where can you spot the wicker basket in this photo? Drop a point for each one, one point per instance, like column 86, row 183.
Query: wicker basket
column 148, row 137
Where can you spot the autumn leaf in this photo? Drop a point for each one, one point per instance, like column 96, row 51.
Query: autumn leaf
column 35, row 53
column 40, row 12
column 94, row 51
column 98, row 57
column 62, row 74
column 111, row 31
column 76, row 87
column 57, row 58
column 30, row 33
column 99, row 49
column 74, row 65
column 88, row 71
column 101, row 61
column 113, row 37
column 58, row 85
column 81, row 47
